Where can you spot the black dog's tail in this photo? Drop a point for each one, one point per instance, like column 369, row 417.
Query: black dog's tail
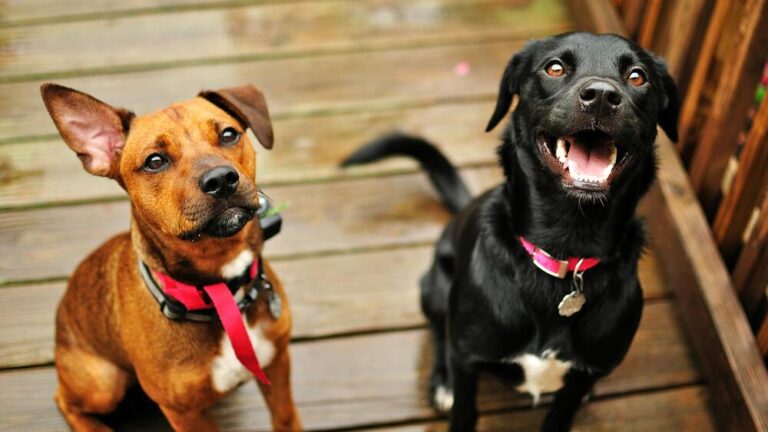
column 450, row 187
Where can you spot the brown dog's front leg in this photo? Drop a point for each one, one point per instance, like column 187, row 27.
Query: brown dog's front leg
column 189, row 421
column 278, row 396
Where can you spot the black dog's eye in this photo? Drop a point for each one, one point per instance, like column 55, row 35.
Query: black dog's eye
column 636, row 77
column 555, row 69
column 229, row 136
column 155, row 162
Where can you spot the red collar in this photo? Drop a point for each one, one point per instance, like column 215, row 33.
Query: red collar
column 219, row 297
column 555, row 267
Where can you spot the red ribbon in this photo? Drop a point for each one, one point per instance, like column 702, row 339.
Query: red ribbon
column 229, row 314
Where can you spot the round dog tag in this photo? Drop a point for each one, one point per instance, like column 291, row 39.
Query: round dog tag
column 571, row 303
column 275, row 305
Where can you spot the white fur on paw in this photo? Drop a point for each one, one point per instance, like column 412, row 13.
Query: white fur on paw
column 443, row 399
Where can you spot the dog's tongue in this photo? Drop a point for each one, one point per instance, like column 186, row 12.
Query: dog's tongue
column 592, row 160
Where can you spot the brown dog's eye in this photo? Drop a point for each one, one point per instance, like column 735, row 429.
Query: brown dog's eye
column 636, row 78
column 155, row 162
column 229, row 136
column 555, row 69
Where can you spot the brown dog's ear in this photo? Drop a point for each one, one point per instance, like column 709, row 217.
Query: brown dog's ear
column 247, row 104
column 91, row 128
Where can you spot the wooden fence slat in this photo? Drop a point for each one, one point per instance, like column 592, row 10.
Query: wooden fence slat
column 306, row 149
column 266, row 31
column 748, row 187
column 336, row 216
column 751, row 271
column 679, row 35
column 373, row 379
column 596, row 16
column 650, row 23
column 632, row 11
column 678, row 410
column 323, row 303
column 732, row 99
column 691, row 117
column 293, row 86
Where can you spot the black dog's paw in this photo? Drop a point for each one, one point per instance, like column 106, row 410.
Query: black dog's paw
column 554, row 424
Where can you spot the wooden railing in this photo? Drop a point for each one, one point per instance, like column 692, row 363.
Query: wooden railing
column 717, row 51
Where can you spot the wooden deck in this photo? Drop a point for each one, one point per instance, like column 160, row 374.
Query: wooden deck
column 336, row 73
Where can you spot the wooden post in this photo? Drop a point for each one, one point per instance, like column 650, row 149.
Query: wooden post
column 748, row 187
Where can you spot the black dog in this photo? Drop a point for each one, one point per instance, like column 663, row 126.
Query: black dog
column 577, row 155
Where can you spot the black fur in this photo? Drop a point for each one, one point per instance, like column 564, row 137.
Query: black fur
column 485, row 300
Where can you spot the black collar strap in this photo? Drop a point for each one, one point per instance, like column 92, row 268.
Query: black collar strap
column 174, row 310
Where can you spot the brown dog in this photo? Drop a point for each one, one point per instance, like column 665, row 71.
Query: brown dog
column 189, row 171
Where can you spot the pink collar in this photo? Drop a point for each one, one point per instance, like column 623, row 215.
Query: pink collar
column 555, row 267
column 219, row 297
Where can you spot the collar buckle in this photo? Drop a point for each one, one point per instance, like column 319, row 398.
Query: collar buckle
column 562, row 269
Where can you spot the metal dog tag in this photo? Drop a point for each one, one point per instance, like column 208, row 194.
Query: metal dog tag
column 275, row 305
column 571, row 303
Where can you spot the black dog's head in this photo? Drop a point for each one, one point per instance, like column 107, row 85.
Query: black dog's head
column 587, row 111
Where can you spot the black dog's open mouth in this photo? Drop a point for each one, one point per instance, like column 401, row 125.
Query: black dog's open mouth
column 225, row 224
column 588, row 159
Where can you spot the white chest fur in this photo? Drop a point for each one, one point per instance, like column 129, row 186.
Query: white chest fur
column 227, row 371
column 542, row 374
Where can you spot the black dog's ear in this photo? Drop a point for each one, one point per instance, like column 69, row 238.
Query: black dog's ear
column 670, row 101
column 509, row 86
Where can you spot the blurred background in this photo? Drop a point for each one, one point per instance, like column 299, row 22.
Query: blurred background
column 337, row 73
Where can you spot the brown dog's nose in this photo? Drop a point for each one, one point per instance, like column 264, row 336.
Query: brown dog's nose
column 599, row 97
column 219, row 182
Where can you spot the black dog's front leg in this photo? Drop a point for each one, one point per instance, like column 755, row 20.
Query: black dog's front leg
column 464, row 379
column 567, row 401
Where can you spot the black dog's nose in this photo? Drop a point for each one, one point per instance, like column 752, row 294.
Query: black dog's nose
column 599, row 96
column 220, row 182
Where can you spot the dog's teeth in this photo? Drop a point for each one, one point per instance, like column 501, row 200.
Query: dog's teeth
column 561, row 152
column 614, row 154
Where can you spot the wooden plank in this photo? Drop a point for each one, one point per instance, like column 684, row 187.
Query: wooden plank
column 748, row 187
column 323, row 303
column 370, row 379
column 263, row 31
column 293, row 86
column 307, row 149
column 343, row 215
column 676, row 410
column 31, row 12
column 711, row 310
column 733, row 98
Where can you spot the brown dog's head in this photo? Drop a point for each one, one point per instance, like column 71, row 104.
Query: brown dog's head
column 189, row 169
